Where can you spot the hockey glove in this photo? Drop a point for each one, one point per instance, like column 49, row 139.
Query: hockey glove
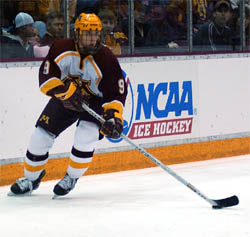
column 113, row 125
column 72, row 97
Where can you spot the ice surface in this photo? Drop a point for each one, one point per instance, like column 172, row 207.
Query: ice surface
column 140, row 203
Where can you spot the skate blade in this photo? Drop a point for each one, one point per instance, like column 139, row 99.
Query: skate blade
column 11, row 194
column 58, row 197
column 55, row 197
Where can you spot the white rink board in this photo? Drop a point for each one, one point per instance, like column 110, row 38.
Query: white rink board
column 219, row 88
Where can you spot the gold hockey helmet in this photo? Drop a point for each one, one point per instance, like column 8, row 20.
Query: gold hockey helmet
column 88, row 22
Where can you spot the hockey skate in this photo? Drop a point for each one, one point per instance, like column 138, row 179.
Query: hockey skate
column 24, row 186
column 64, row 186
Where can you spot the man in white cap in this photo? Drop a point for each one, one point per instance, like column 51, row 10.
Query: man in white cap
column 17, row 45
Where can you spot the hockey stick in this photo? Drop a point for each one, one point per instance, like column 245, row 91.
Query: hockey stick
column 216, row 204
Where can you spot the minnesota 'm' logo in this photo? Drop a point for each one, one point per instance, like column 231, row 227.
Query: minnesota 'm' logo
column 45, row 119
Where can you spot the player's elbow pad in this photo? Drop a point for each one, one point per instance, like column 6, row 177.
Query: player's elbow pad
column 49, row 87
column 66, row 92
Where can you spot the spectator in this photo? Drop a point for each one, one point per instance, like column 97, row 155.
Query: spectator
column 235, row 27
column 122, row 12
column 58, row 6
column 177, row 15
column 41, row 26
column 54, row 26
column 141, row 24
column 160, row 32
column 110, row 36
column 215, row 35
column 16, row 45
column 117, row 7
column 35, row 40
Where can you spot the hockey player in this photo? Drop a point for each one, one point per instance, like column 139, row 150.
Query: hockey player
column 75, row 71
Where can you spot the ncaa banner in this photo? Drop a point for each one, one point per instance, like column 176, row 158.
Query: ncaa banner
column 162, row 102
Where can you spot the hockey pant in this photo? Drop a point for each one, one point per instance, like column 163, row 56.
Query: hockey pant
column 85, row 140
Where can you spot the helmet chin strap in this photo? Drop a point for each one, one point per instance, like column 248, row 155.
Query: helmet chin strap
column 84, row 51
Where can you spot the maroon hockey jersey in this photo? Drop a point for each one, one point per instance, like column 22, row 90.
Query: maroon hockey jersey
column 100, row 73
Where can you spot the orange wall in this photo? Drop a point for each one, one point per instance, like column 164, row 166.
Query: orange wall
column 128, row 160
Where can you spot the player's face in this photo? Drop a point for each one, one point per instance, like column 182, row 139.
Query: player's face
column 88, row 39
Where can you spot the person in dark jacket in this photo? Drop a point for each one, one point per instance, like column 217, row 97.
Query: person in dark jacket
column 215, row 35
column 16, row 45
column 160, row 33
column 54, row 26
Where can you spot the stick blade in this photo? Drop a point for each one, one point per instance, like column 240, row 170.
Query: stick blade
column 226, row 202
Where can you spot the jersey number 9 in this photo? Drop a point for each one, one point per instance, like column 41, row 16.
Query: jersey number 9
column 121, row 86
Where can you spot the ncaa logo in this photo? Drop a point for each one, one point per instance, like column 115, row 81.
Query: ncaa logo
column 128, row 112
